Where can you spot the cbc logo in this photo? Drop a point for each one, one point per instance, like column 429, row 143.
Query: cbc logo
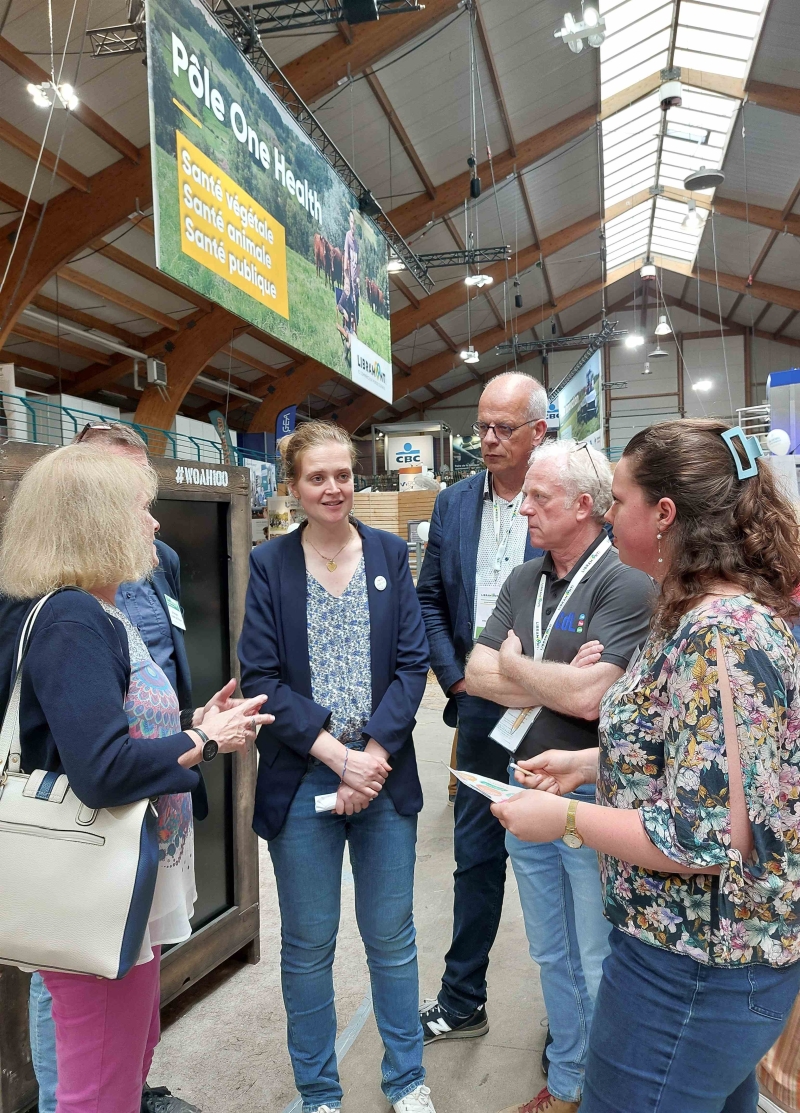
column 408, row 454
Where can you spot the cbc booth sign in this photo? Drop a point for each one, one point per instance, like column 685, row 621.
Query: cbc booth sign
column 410, row 456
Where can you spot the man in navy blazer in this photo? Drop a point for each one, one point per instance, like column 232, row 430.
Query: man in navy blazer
column 477, row 537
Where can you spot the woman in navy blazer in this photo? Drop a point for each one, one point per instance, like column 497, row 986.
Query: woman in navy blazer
column 333, row 634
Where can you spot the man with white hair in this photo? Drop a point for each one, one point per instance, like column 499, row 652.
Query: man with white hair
column 548, row 609
column 477, row 536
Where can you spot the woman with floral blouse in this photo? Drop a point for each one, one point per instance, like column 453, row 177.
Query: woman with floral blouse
column 698, row 782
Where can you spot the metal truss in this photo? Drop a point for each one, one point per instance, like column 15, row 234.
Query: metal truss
column 593, row 341
column 241, row 26
column 266, row 17
column 470, row 257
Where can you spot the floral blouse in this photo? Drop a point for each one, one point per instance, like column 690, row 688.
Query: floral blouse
column 339, row 653
column 662, row 750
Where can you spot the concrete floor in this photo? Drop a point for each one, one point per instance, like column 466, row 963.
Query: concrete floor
column 224, row 1047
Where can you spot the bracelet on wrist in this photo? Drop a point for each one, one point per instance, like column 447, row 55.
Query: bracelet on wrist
column 344, row 766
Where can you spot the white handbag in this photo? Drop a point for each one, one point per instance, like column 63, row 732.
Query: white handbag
column 77, row 883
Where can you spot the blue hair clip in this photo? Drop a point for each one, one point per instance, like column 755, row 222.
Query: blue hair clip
column 752, row 447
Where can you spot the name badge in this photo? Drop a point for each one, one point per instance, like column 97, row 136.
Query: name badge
column 485, row 603
column 175, row 612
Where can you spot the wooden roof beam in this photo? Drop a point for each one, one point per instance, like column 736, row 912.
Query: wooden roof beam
column 88, row 320
column 16, row 199
column 443, row 301
column 318, row 71
column 72, row 220
column 31, row 72
column 23, row 361
column 39, row 336
column 32, row 148
column 413, row 215
column 116, row 297
column 782, row 98
column 151, row 274
column 396, row 125
column 491, row 65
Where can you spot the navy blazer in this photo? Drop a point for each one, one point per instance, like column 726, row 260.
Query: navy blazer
column 72, row 716
column 273, row 651
column 446, row 584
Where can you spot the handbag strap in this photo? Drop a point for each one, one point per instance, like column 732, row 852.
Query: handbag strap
column 10, row 751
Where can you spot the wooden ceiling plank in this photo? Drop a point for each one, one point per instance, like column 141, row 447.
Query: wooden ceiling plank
column 31, row 72
column 29, row 147
column 251, row 361
column 764, row 291
column 396, row 125
column 116, row 297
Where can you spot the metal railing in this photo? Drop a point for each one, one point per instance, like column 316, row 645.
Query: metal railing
column 38, row 422
column 755, row 421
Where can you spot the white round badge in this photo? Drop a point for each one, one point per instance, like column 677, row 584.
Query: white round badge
column 380, row 583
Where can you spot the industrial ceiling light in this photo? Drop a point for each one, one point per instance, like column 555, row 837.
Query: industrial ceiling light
column 394, row 265
column 702, row 385
column 634, row 340
column 48, row 93
column 648, row 271
column 703, row 179
column 646, row 370
column 478, row 280
column 469, row 355
column 662, row 328
column 657, row 353
column 692, row 220
column 591, row 27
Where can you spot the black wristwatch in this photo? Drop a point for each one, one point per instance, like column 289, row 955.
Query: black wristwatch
column 210, row 747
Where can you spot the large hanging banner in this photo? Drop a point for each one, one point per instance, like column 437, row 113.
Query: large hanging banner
column 580, row 405
column 248, row 213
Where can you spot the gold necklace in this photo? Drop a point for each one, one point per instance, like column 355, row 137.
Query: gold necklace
column 331, row 564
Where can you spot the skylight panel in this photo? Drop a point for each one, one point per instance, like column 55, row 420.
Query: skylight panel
column 712, row 63
column 722, row 45
column 635, row 34
column 713, row 18
column 630, row 77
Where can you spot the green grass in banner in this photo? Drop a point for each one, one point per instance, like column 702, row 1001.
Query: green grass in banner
column 312, row 305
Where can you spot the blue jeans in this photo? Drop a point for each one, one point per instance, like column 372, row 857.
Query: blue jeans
column 673, row 1036
column 307, row 858
column 480, row 852
column 43, row 1043
column 559, row 890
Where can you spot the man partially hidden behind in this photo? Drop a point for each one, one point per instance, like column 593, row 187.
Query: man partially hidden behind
column 477, row 537
column 548, row 612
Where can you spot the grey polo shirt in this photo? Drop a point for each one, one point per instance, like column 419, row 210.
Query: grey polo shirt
column 612, row 604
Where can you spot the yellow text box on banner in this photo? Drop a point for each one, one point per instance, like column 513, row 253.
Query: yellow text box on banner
column 226, row 230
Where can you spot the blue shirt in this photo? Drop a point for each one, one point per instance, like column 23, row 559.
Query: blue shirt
column 140, row 604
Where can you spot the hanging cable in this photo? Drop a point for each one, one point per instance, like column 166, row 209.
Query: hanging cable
column 719, row 314
column 678, row 346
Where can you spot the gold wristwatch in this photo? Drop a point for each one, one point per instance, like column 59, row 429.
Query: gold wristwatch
column 571, row 836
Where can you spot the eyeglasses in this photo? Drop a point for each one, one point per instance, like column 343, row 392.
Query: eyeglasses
column 579, row 448
column 502, row 432
column 89, row 427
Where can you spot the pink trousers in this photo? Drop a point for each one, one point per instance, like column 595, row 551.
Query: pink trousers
column 106, row 1032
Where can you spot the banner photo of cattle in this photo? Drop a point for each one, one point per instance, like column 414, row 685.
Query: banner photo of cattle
column 248, row 212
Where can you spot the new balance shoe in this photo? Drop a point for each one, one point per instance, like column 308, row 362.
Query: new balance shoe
column 158, row 1099
column 418, row 1101
column 438, row 1024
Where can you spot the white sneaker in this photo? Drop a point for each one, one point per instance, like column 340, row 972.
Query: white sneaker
column 418, row 1101
column 326, row 1109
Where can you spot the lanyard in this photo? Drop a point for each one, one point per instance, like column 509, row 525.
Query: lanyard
column 539, row 640
column 502, row 546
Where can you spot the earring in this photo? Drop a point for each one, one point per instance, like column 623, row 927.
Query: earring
column 660, row 558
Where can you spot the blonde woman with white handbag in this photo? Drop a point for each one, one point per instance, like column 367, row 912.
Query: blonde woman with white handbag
column 91, row 734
